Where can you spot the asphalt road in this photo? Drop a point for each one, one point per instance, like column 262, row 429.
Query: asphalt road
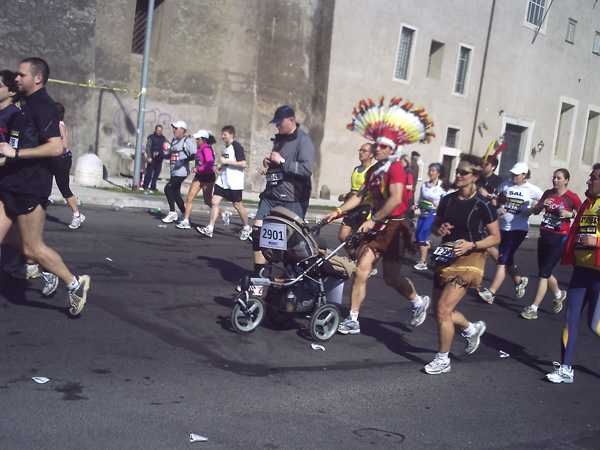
column 153, row 357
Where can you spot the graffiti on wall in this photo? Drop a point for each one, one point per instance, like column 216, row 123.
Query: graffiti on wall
column 125, row 123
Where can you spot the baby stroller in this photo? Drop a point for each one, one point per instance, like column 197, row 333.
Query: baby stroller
column 306, row 276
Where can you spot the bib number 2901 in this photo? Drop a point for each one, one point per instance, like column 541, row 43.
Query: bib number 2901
column 273, row 235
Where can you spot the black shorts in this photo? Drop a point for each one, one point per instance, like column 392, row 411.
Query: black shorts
column 205, row 177
column 20, row 204
column 357, row 217
column 233, row 196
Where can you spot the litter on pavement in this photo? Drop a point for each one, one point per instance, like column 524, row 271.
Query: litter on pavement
column 41, row 380
column 197, row 438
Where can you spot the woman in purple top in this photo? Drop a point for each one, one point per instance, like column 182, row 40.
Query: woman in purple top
column 205, row 175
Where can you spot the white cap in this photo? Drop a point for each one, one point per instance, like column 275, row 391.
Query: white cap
column 180, row 124
column 519, row 168
column 201, row 134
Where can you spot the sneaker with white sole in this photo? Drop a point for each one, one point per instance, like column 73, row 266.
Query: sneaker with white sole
column 77, row 221
column 558, row 302
column 205, row 231
column 473, row 340
column 520, row 288
column 529, row 313
column 420, row 312
column 184, row 225
column 438, row 365
column 77, row 298
column 171, row 217
column 420, row 265
column 245, row 234
column 26, row 272
column 226, row 218
column 50, row 283
column 561, row 374
column 487, row 296
column 349, row 326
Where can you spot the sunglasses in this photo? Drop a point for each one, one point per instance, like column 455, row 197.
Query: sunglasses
column 463, row 172
column 382, row 146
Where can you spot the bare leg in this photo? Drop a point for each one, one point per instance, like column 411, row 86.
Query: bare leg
column 242, row 212
column 342, row 235
column 214, row 209
column 445, row 300
column 189, row 204
column 498, row 278
column 258, row 256
column 366, row 262
column 72, row 202
column 513, row 271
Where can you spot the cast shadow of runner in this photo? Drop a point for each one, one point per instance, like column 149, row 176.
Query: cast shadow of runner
column 15, row 292
column 228, row 270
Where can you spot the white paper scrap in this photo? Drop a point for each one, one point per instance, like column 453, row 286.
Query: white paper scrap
column 41, row 380
column 502, row 354
column 317, row 347
column 197, row 438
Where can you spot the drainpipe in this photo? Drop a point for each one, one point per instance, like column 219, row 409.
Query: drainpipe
column 142, row 108
column 485, row 53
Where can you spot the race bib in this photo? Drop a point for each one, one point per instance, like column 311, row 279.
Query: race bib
column 425, row 205
column 274, row 177
column 14, row 139
column 514, row 205
column 273, row 235
column 444, row 252
column 551, row 222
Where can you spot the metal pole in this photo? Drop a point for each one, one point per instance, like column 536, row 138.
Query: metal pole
column 142, row 108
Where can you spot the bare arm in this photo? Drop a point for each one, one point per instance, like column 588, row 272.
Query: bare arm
column 52, row 147
column 64, row 139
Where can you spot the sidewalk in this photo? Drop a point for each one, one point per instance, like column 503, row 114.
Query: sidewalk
column 128, row 199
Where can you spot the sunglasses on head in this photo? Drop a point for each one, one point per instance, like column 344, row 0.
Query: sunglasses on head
column 463, row 172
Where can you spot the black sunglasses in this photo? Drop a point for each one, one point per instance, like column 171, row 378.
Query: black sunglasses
column 463, row 172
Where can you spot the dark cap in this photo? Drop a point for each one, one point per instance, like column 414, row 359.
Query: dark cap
column 283, row 112
column 413, row 154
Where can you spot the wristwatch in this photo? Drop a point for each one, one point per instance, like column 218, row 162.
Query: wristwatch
column 374, row 218
column 282, row 161
column 474, row 246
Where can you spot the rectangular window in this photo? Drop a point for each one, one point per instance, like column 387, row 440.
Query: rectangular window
column 565, row 131
column 452, row 137
column 462, row 70
column 404, row 53
column 436, row 56
column 597, row 44
column 535, row 12
column 571, row 31
column 592, row 133
column 138, row 39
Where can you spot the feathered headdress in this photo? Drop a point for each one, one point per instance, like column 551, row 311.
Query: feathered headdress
column 396, row 125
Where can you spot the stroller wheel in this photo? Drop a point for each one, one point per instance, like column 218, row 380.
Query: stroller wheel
column 324, row 322
column 245, row 320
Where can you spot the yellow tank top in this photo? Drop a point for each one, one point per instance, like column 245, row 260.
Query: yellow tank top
column 357, row 180
column 588, row 225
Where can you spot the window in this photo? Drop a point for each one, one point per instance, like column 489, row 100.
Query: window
column 597, row 44
column 592, row 134
column 404, row 53
column 452, row 137
column 462, row 69
column 571, row 31
column 436, row 56
column 535, row 12
column 138, row 39
column 564, row 136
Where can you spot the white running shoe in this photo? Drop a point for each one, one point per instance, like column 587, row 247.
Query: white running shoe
column 171, row 217
column 206, row 231
column 438, row 365
column 226, row 218
column 558, row 302
column 520, row 288
column 473, row 340
column 245, row 234
column 487, row 296
column 420, row 265
column 78, row 297
column 50, row 283
column 27, row 271
column 77, row 221
column 561, row 374
column 184, row 225
column 420, row 312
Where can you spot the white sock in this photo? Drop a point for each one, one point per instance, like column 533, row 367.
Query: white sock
column 76, row 214
column 354, row 315
column 74, row 285
column 557, row 295
column 247, row 228
column 444, row 356
column 470, row 330
column 208, row 227
column 534, row 308
column 416, row 302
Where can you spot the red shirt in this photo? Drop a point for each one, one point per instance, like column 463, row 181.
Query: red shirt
column 379, row 186
column 551, row 220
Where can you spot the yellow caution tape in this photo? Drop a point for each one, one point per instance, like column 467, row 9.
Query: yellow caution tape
column 92, row 85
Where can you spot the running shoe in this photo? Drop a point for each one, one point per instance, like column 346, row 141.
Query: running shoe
column 184, row 225
column 529, row 313
column 245, row 234
column 77, row 297
column 26, row 271
column 50, row 283
column 373, row 272
column 77, row 221
column 420, row 312
column 473, row 340
column 420, row 265
column 558, row 302
column 205, row 231
column 487, row 296
column 438, row 365
column 349, row 326
column 520, row 288
column 561, row 374
column 226, row 218
column 171, row 217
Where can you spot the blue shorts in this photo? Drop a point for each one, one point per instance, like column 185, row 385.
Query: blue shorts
column 509, row 243
column 267, row 204
column 424, row 228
